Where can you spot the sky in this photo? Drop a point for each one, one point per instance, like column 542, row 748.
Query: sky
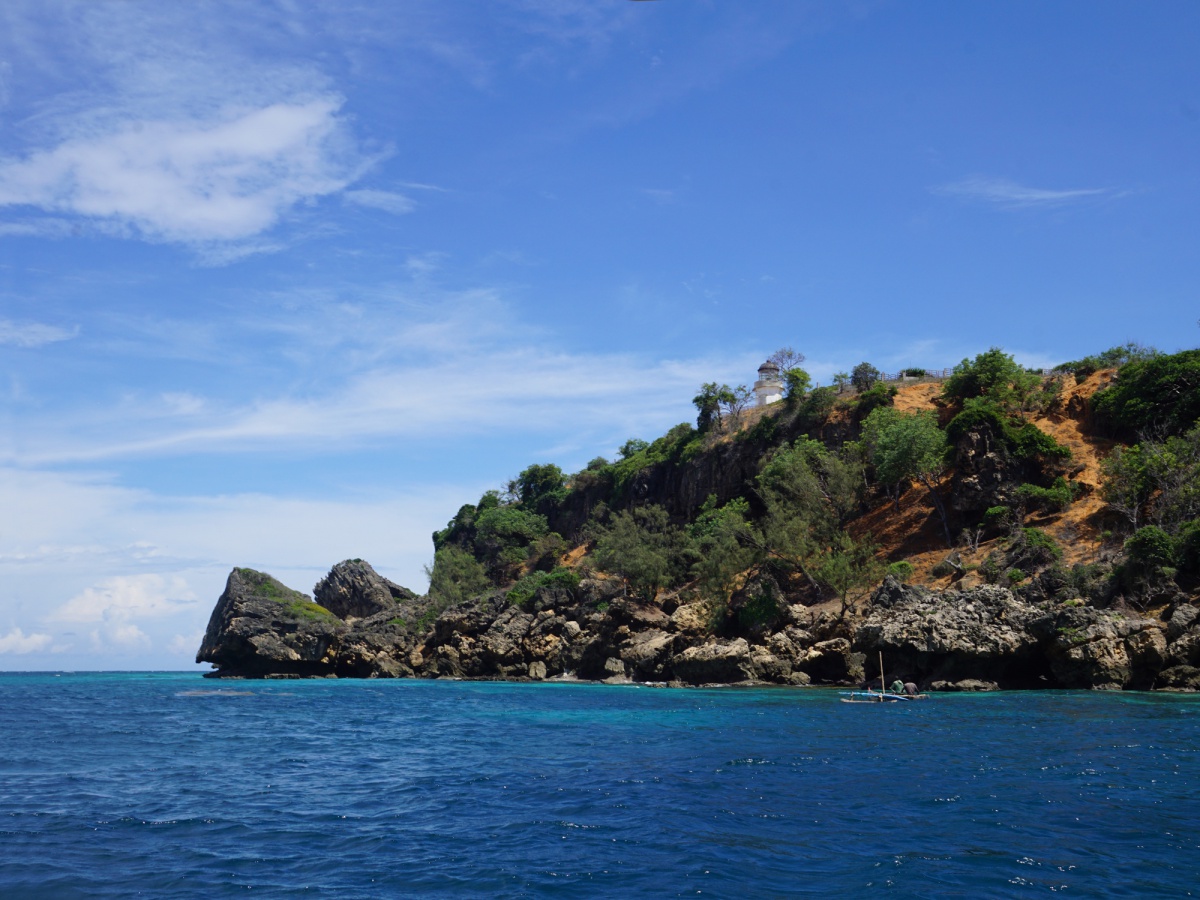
column 285, row 283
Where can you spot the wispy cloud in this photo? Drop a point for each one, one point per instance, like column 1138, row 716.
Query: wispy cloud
column 388, row 201
column 225, row 179
column 1011, row 195
column 33, row 334
column 523, row 390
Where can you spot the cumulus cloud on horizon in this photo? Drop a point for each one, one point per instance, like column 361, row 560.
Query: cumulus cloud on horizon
column 18, row 642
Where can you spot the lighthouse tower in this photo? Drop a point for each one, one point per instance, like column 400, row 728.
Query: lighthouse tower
column 769, row 386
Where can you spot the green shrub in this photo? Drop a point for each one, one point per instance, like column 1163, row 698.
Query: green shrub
column 864, row 375
column 914, row 373
column 942, row 569
column 1055, row 498
column 539, row 482
column 455, row 576
column 1040, row 545
column 1187, row 548
column 1023, row 440
column 758, row 609
column 524, row 590
column 1159, row 391
column 873, row 398
column 993, row 375
column 902, row 571
column 673, row 446
column 1112, row 358
column 763, row 433
column 818, row 404
column 1150, row 548
column 997, row 517
column 989, row 569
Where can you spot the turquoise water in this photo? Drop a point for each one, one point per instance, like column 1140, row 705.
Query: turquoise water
column 168, row 785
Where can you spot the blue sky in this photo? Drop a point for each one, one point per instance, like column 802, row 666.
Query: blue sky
column 283, row 283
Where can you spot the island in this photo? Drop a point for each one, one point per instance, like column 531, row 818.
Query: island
column 980, row 528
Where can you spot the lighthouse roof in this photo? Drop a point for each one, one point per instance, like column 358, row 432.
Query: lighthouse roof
column 768, row 368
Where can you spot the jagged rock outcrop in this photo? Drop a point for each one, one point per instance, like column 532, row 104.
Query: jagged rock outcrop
column 984, row 471
column 983, row 633
column 983, row 638
column 987, row 634
column 353, row 590
column 262, row 628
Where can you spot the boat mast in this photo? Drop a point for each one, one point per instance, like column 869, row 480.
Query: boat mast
column 882, row 681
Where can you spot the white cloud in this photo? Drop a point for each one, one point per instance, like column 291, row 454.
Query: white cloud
column 186, row 644
column 193, row 181
column 114, row 553
column 498, row 391
column 388, row 201
column 122, row 598
column 17, row 641
column 33, row 334
column 1010, row 195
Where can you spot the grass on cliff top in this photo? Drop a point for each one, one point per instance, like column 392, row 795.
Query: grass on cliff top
column 294, row 602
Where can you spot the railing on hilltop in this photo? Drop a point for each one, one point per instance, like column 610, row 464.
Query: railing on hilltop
column 930, row 375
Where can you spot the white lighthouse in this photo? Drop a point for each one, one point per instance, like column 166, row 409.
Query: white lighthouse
column 769, row 386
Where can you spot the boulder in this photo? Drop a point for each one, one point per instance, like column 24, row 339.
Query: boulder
column 983, row 633
column 354, row 590
column 260, row 626
column 1090, row 648
column 717, row 662
column 647, row 653
column 832, row 662
column 967, row 685
column 1179, row 678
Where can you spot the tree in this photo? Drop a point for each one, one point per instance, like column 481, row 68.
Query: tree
column 841, row 379
column 909, row 446
column 850, row 569
column 455, row 576
column 1156, row 480
column 996, row 376
column 1154, row 392
column 709, row 402
column 735, row 401
column 633, row 446
column 795, row 382
column 808, row 479
column 786, row 358
column 724, row 546
column 864, row 375
column 503, row 536
column 538, row 481
column 642, row 547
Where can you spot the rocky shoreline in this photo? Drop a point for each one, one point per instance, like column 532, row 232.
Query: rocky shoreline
column 358, row 624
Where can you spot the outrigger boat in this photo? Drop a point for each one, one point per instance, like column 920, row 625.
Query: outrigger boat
column 869, row 696
column 872, row 696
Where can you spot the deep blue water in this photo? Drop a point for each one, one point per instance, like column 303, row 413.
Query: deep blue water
column 168, row 785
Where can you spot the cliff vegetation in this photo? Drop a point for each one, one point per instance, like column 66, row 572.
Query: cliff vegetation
column 996, row 526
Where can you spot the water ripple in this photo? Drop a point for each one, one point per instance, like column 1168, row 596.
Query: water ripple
column 113, row 785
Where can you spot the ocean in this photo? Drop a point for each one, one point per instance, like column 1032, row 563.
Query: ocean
column 169, row 785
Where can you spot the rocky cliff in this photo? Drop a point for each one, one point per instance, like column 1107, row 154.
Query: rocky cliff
column 981, row 638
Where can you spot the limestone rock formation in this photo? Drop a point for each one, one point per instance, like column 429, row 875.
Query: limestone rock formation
column 982, row 633
column 261, row 628
column 983, row 638
column 353, row 590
